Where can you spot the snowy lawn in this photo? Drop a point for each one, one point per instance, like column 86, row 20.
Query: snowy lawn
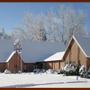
column 43, row 80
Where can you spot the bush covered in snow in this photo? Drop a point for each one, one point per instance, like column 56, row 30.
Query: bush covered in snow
column 43, row 71
column 70, row 69
column 7, row 71
column 36, row 70
column 87, row 75
column 60, row 71
column 39, row 70
column 19, row 71
column 50, row 71
column 82, row 71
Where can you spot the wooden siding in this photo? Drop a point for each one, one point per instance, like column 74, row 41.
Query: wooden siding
column 82, row 59
column 50, row 64
column 55, row 65
column 15, row 64
column 2, row 67
column 28, row 67
column 74, row 54
column 88, row 63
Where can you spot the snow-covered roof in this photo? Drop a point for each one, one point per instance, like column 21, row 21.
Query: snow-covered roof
column 31, row 51
column 56, row 56
column 38, row 51
column 10, row 56
column 84, row 44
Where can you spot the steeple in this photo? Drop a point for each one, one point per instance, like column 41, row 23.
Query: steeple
column 17, row 45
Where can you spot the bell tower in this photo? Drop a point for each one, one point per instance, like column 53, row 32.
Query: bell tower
column 18, row 48
column 17, row 45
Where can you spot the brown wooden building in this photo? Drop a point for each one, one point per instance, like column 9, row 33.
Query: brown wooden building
column 44, row 55
column 54, row 62
column 31, row 56
column 78, row 51
column 14, row 63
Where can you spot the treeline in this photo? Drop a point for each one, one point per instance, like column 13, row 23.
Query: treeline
column 55, row 26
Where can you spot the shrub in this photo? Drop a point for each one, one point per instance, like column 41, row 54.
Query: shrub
column 82, row 71
column 50, row 71
column 71, row 69
column 36, row 70
column 19, row 71
column 61, row 72
column 88, row 73
column 7, row 71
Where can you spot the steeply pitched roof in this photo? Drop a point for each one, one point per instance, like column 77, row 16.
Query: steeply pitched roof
column 84, row 44
column 31, row 51
column 56, row 56
column 10, row 56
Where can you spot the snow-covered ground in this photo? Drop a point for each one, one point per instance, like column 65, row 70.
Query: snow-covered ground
column 42, row 80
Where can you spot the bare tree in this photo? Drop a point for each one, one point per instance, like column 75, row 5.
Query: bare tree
column 53, row 32
column 34, row 27
column 39, row 28
column 28, row 25
column 54, row 26
column 18, row 33
column 72, row 22
column 3, row 34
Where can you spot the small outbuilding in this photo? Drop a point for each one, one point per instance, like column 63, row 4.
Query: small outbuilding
column 14, row 63
column 54, row 62
column 10, row 58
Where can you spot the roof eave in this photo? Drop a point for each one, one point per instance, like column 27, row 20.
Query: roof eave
column 88, row 57
column 53, row 60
